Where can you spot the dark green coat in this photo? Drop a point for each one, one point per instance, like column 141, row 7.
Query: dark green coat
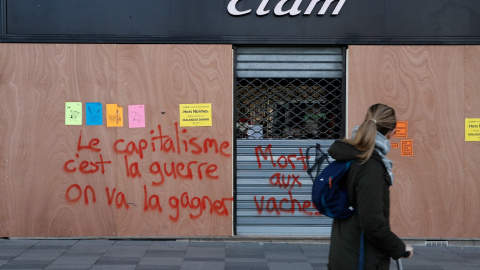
column 368, row 189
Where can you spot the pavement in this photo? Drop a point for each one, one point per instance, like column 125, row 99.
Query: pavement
column 130, row 254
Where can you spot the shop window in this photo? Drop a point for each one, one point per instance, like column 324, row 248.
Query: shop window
column 272, row 108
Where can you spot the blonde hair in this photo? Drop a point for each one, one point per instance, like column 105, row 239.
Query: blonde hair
column 381, row 118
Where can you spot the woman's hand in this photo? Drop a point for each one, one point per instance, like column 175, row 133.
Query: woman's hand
column 408, row 251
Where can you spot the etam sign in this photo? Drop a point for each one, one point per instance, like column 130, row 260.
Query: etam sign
column 280, row 11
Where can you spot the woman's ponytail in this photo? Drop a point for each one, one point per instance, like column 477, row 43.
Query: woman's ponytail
column 379, row 118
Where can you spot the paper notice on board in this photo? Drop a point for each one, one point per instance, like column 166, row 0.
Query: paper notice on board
column 73, row 113
column 401, row 130
column 196, row 115
column 472, row 129
column 406, row 148
column 114, row 115
column 94, row 113
column 136, row 116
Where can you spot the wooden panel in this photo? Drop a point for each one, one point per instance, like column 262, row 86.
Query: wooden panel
column 425, row 86
column 36, row 82
column 472, row 149
column 162, row 77
column 43, row 199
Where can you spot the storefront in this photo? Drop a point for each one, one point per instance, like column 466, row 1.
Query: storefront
column 200, row 118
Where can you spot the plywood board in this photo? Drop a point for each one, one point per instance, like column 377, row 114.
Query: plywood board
column 170, row 76
column 471, row 150
column 44, row 191
column 425, row 85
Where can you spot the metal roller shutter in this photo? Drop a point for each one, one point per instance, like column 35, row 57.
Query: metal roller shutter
column 275, row 86
column 283, row 62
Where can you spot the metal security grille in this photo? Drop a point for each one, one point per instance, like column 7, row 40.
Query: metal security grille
column 287, row 100
column 289, row 108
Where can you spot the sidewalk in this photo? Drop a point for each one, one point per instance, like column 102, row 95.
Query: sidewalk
column 208, row 255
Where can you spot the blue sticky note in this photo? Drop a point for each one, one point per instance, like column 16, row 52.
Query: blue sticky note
column 94, row 113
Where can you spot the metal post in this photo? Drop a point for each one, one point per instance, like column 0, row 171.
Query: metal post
column 399, row 264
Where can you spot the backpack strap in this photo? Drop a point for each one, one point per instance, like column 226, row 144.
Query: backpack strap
column 320, row 156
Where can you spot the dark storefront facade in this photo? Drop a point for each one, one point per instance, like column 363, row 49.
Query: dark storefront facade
column 284, row 78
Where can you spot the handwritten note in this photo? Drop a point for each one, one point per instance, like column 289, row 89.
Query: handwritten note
column 136, row 116
column 114, row 115
column 73, row 113
column 94, row 113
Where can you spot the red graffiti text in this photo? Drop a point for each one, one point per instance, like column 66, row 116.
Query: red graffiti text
column 74, row 193
column 282, row 161
column 177, row 143
column 197, row 205
column 285, row 180
column 285, row 205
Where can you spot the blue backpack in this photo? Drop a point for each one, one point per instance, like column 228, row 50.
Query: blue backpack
column 328, row 196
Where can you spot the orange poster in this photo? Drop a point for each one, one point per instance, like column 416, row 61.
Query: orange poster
column 407, row 148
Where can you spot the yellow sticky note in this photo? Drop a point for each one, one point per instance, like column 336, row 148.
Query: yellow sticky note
column 472, row 129
column 73, row 113
column 114, row 115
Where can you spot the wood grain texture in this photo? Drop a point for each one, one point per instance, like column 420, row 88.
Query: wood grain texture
column 35, row 82
column 425, row 85
column 471, row 150
column 170, row 75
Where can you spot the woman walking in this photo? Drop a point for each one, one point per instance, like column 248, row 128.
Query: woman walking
column 368, row 182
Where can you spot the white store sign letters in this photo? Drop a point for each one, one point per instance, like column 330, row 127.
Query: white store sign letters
column 279, row 11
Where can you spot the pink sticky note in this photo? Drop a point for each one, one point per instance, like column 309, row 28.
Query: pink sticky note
column 136, row 116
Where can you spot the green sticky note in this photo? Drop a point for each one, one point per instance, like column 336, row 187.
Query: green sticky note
column 73, row 113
